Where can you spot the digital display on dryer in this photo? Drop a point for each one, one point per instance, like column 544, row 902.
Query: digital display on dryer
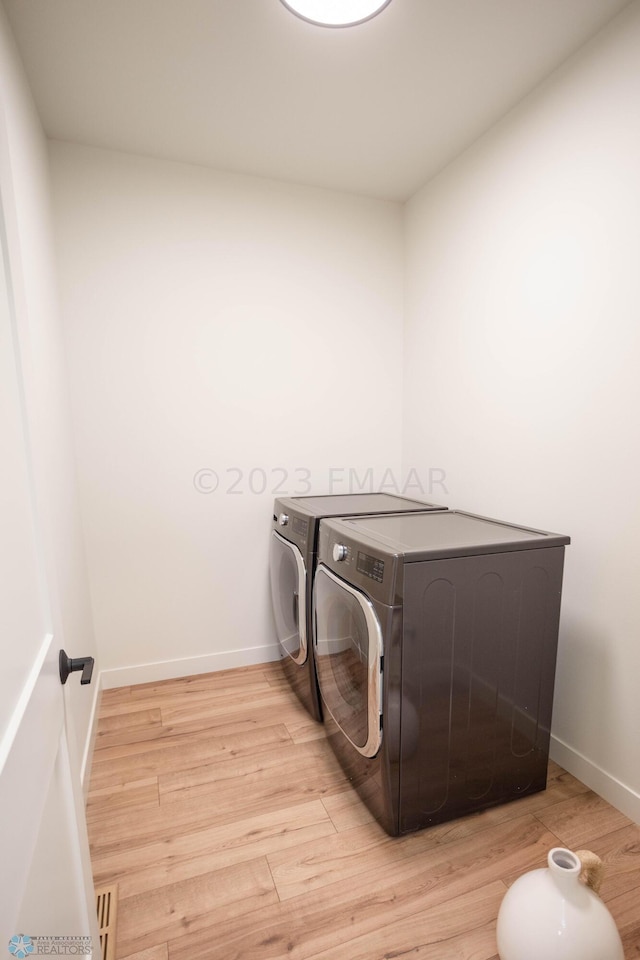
column 372, row 567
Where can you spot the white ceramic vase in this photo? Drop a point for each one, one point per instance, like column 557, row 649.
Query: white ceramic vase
column 553, row 914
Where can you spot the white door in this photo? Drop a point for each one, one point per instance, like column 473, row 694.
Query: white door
column 45, row 877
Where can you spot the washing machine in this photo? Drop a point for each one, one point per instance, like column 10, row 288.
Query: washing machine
column 435, row 649
column 292, row 560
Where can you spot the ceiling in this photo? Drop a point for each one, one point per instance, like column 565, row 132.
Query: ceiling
column 244, row 85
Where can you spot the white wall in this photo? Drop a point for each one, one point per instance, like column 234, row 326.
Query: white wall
column 522, row 350
column 229, row 324
column 223, row 323
column 27, row 211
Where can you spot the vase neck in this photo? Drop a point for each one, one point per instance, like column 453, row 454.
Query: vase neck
column 564, row 867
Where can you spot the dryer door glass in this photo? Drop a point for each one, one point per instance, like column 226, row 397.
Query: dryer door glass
column 349, row 659
column 289, row 597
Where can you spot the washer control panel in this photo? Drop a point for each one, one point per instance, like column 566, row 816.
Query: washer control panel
column 294, row 527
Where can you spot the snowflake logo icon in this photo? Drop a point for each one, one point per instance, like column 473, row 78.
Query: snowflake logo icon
column 21, row 946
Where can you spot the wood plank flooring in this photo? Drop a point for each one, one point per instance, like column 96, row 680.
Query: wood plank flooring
column 220, row 811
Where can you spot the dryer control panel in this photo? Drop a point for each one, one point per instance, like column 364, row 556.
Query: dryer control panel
column 379, row 574
column 372, row 567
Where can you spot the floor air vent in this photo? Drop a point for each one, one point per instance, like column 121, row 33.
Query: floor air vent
column 107, row 903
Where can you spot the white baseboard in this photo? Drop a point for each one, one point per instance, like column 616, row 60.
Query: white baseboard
column 187, row 666
column 618, row 794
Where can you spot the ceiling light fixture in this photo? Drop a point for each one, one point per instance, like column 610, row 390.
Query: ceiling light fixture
column 336, row 13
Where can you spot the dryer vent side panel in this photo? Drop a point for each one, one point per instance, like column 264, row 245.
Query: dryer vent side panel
column 479, row 658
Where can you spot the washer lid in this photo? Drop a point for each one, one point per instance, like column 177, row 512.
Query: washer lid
column 428, row 536
column 350, row 504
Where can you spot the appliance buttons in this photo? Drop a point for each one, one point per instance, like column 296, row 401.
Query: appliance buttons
column 339, row 552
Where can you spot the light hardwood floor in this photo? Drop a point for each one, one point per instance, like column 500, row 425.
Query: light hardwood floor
column 219, row 810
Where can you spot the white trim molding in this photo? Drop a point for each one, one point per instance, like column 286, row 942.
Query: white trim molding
column 618, row 794
column 90, row 741
column 187, row 666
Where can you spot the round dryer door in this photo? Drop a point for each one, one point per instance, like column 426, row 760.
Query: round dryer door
column 348, row 652
column 289, row 597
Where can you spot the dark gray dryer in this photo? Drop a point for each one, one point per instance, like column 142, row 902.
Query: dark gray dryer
column 435, row 650
column 292, row 561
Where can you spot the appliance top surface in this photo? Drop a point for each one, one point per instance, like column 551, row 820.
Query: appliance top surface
column 450, row 533
column 349, row 504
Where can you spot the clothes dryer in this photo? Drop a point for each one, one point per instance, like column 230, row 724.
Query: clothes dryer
column 292, row 561
column 435, row 648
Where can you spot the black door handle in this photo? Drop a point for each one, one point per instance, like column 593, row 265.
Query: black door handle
column 67, row 666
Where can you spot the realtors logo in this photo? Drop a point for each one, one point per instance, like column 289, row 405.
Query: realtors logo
column 21, row 946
